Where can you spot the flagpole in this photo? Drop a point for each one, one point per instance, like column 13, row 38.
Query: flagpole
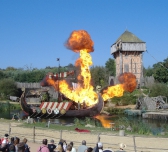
column 58, row 59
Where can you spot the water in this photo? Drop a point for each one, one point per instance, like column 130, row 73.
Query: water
column 156, row 126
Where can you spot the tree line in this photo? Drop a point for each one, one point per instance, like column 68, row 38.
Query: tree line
column 10, row 75
column 99, row 74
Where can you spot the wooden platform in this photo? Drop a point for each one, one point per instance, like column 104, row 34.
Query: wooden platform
column 163, row 114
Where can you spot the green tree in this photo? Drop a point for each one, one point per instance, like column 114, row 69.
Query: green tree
column 111, row 67
column 1, row 75
column 149, row 71
column 10, row 68
column 99, row 76
column 161, row 71
column 8, row 87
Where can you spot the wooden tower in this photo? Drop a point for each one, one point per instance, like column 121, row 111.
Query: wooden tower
column 127, row 51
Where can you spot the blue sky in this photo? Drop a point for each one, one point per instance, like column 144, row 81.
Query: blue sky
column 33, row 32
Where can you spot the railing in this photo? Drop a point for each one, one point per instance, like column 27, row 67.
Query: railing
column 134, row 143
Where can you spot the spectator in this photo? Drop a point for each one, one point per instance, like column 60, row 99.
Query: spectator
column 59, row 148
column 11, row 144
column 64, row 145
column 61, row 144
column 68, row 148
column 26, row 146
column 96, row 149
column 51, row 146
column 61, row 140
column 16, row 142
column 90, row 149
column 4, row 148
column 21, row 147
column 4, row 141
column 100, row 146
column 44, row 147
column 11, row 148
column 73, row 148
column 83, row 147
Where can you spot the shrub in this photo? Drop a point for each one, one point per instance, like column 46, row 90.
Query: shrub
column 126, row 99
column 158, row 89
column 7, row 88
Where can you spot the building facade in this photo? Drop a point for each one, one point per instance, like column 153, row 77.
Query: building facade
column 128, row 53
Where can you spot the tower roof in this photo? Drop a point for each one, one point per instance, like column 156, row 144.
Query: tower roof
column 129, row 37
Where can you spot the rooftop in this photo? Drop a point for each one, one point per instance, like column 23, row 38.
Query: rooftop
column 129, row 37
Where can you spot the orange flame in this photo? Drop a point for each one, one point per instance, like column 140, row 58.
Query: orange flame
column 128, row 83
column 105, row 121
column 80, row 41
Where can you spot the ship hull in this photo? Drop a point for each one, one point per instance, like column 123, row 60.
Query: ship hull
column 88, row 112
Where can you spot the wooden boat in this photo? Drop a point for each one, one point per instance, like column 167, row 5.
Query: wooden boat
column 63, row 109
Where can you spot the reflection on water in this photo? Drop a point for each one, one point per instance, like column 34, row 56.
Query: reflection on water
column 105, row 120
column 156, row 126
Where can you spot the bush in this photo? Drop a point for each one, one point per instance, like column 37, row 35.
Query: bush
column 126, row 99
column 7, row 88
column 158, row 89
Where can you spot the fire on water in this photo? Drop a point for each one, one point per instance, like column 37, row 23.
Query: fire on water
column 80, row 42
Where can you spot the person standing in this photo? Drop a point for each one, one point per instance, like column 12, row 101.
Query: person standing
column 26, row 146
column 21, row 147
column 83, row 147
column 4, row 141
column 64, row 145
column 43, row 147
column 73, row 148
column 68, row 148
column 16, row 142
column 51, row 146
column 100, row 146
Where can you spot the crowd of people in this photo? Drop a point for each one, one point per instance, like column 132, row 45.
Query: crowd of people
column 14, row 144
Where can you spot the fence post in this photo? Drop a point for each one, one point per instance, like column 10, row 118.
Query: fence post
column 9, row 109
column 98, row 137
column 9, row 129
column 134, row 143
column 34, row 134
column 60, row 134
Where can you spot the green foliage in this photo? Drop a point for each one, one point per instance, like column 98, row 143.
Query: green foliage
column 30, row 74
column 4, row 107
column 159, row 71
column 45, row 97
column 87, row 120
column 117, row 111
column 149, row 71
column 126, row 99
column 158, row 89
column 2, row 75
column 99, row 76
column 111, row 67
column 135, row 127
column 77, row 122
column 7, row 87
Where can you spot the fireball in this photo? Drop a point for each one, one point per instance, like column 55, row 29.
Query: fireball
column 80, row 42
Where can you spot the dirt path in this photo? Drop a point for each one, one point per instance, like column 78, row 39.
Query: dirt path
column 110, row 140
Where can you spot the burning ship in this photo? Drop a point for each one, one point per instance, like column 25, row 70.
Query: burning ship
column 82, row 101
